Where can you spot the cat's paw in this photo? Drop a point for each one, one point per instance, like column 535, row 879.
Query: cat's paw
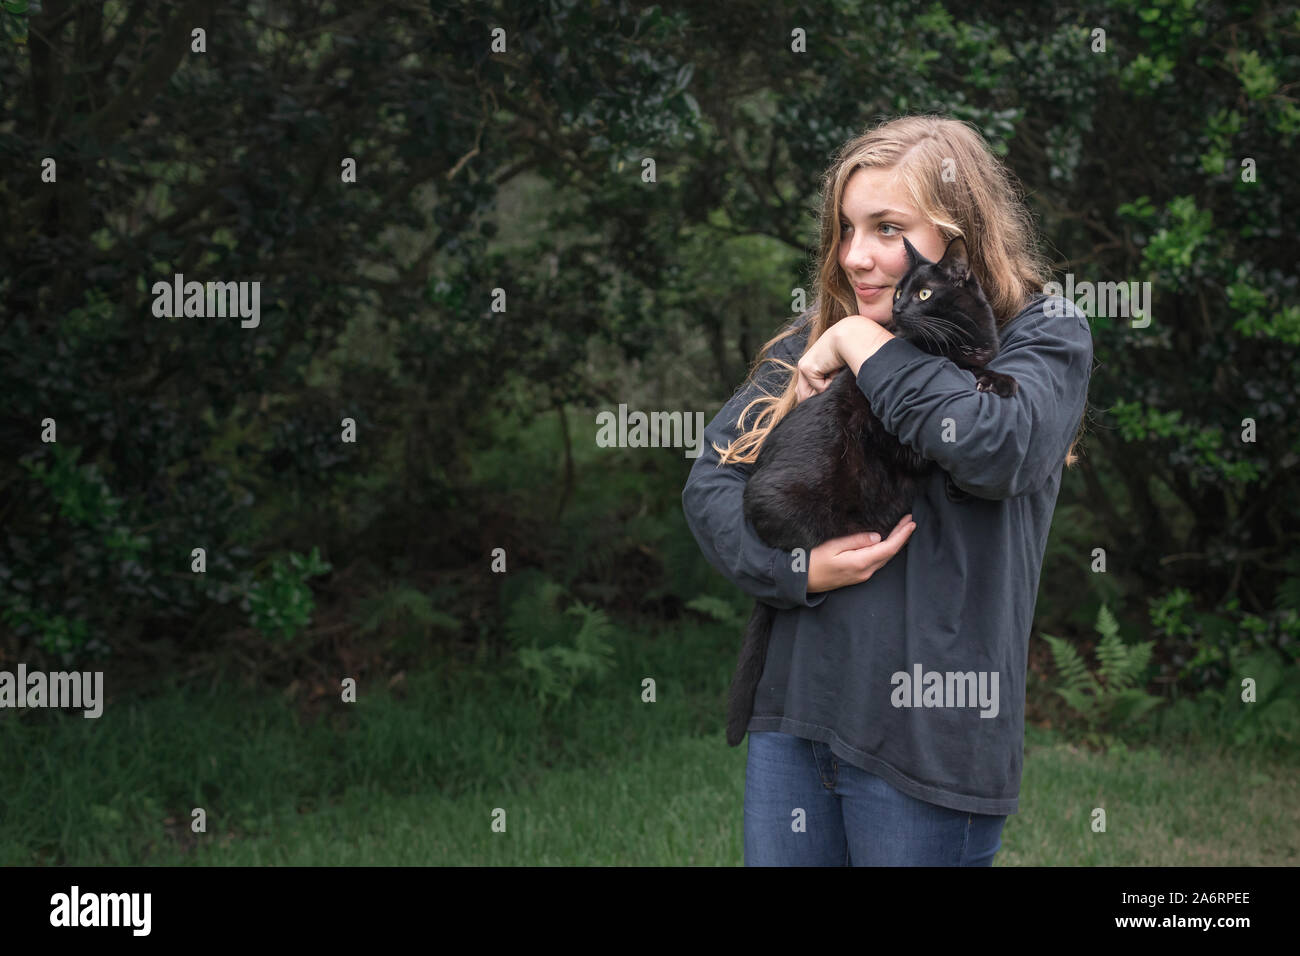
column 997, row 383
column 912, row 460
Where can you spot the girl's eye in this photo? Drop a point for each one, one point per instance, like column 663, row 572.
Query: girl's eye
column 886, row 225
column 843, row 226
column 923, row 294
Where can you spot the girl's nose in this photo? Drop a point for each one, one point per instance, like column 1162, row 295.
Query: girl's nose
column 858, row 256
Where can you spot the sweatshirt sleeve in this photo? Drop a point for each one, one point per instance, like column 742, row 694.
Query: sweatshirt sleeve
column 997, row 447
column 713, row 502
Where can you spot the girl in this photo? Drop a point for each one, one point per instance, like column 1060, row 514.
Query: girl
column 888, row 727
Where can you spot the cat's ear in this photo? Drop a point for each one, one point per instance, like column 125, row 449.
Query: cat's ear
column 913, row 257
column 956, row 261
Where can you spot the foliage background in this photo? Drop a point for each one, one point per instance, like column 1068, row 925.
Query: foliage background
column 521, row 170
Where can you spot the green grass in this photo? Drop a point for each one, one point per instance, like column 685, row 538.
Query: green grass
column 608, row 780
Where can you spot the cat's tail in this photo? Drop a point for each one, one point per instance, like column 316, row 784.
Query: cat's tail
column 753, row 655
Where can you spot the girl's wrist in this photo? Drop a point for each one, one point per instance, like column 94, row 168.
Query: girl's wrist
column 857, row 338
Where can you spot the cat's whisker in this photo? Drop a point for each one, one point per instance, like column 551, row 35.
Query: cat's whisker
column 943, row 325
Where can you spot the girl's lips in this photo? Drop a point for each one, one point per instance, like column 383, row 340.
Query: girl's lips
column 869, row 291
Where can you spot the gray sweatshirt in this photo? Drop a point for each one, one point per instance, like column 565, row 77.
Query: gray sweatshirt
column 918, row 674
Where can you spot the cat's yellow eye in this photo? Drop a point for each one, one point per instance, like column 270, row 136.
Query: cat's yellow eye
column 923, row 294
column 897, row 293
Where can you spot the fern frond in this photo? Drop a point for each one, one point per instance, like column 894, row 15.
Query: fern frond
column 1126, row 706
column 1082, row 704
column 592, row 640
column 1112, row 655
column 1139, row 656
column 1074, row 674
column 1106, row 623
column 716, row 608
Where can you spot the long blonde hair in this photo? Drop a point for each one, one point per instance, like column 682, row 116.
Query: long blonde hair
column 979, row 200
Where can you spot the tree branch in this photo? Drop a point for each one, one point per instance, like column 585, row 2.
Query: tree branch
column 151, row 78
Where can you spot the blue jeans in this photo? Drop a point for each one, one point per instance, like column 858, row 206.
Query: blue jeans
column 850, row 817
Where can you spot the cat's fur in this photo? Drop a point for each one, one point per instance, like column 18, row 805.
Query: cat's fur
column 830, row 469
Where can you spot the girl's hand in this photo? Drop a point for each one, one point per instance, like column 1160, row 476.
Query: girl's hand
column 853, row 558
column 850, row 341
column 819, row 364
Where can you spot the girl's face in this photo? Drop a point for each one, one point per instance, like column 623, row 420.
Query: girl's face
column 874, row 217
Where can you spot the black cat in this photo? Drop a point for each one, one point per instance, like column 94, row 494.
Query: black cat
column 830, row 469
